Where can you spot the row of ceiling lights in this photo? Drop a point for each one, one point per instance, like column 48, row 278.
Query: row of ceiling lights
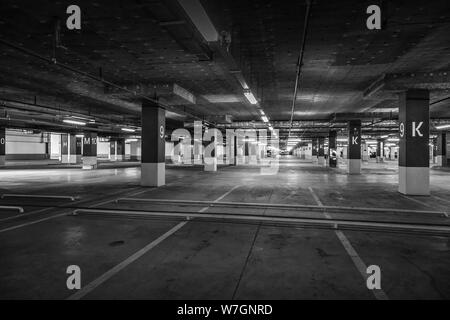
column 80, row 121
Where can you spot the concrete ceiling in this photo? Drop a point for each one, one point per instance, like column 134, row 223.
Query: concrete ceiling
column 143, row 48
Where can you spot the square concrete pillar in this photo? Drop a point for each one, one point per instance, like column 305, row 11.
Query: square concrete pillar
column 90, row 151
column 314, row 150
column 2, row 146
column 380, row 150
column 68, row 149
column 332, row 149
column 414, row 165
column 354, row 147
column 78, row 150
column 321, row 152
column 153, row 166
column 441, row 150
column 112, row 150
column 120, row 149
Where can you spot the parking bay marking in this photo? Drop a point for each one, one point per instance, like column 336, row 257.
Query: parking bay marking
column 111, row 272
column 357, row 261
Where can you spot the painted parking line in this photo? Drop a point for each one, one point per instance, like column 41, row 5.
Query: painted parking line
column 424, row 204
column 357, row 261
column 441, row 199
column 113, row 271
column 50, row 217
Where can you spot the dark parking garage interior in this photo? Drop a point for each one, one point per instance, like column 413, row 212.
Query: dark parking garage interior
column 224, row 150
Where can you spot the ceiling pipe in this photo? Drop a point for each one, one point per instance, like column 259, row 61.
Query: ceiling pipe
column 300, row 61
column 90, row 76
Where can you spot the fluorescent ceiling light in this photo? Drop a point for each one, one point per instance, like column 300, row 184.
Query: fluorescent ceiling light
column 443, row 126
column 78, row 123
column 128, row 130
column 264, row 118
column 342, row 139
column 223, row 98
column 250, row 97
column 79, row 135
column 393, row 139
column 131, row 140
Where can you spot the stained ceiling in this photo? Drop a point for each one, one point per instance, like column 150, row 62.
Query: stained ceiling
column 127, row 51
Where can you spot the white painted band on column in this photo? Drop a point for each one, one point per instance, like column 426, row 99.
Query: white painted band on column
column 64, row 158
column 321, row 161
column 210, row 164
column 73, row 159
column 153, row 174
column 90, row 163
column 414, row 181
column 354, row 166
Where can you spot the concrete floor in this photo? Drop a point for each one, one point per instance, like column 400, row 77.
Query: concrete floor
column 157, row 257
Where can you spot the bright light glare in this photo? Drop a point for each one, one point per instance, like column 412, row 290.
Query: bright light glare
column 128, row 130
column 250, row 97
column 78, row 123
column 443, row 126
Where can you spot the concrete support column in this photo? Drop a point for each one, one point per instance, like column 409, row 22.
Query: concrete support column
column 332, row 149
column 2, row 146
column 321, row 151
column 441, row 151
column 314, row 150
column 392, row 153
column 153, row 167
column 365, row 151
column 380, row 150
column 354, row 147
column 414, row 165
column 90, row 151
column 134, row 147
column 120, row 149
column 112, row 150
column 68, row 149
column 78, row 149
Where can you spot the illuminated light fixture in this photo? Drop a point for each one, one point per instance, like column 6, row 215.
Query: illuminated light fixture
column 445, row 126
column 75, row 122
column 384, row 137
column 342, row 140
column 250, row 97
column 270, row 128
column 131, row 140
column 264, row 118
column 79, row 136
column 128, row 130
column 262, row 112
column 393, row 139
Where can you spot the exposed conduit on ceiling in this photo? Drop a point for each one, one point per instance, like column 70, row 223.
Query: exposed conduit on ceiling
column 300, row 62
column 90, row 76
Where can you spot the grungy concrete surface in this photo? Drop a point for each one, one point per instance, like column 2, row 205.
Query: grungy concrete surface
column 219, row 258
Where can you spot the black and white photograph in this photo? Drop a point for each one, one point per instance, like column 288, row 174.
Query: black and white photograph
column 223, row 155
